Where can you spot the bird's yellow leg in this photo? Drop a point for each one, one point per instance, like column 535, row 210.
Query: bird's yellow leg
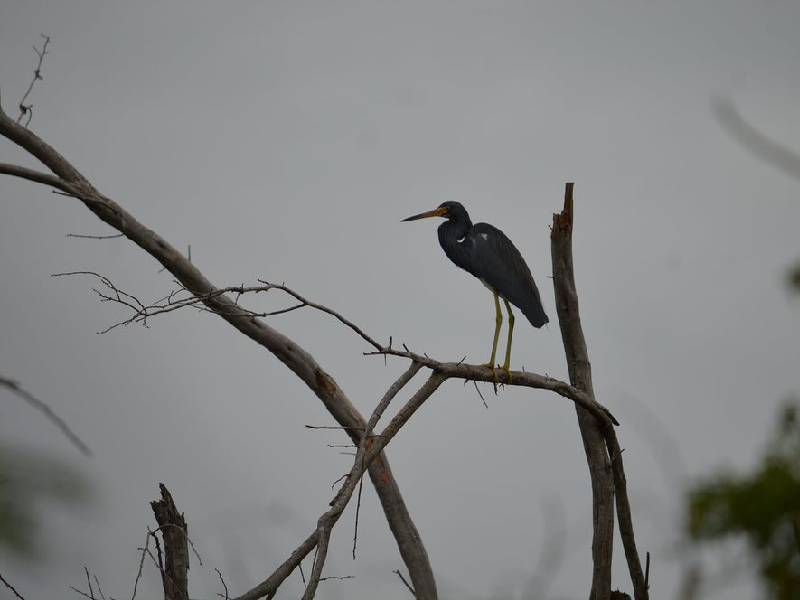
column 498, row 322
column 507, row 361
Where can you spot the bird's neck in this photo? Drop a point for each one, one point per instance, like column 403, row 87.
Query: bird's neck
column 451, row 239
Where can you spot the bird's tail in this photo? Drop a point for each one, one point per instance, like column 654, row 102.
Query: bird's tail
column 536, row 315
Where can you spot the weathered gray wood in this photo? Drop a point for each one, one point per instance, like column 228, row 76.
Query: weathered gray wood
column 580, row 375
column 172, row 525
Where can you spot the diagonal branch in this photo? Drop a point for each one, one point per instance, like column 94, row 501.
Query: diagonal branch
column 638, row 578
column 47, row 412
column 12, row 588
column 754, row 140
column 297, row 359
column 366, row 455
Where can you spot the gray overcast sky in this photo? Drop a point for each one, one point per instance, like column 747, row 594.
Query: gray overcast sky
column 286, row 140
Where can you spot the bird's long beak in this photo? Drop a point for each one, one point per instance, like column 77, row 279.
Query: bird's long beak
column 439, row 212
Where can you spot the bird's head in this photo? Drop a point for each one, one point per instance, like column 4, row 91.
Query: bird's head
column 453, row 211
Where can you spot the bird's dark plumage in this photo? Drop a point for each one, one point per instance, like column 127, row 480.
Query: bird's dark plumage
column 487, row 253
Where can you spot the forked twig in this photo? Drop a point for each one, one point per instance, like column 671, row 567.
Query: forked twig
column 37, row 76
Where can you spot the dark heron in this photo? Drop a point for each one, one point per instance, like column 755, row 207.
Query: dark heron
column 487, row 253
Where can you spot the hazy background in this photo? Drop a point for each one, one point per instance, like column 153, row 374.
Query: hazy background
column 286, row 140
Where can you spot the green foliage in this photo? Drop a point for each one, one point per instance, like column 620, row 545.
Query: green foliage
column 763, row 507
column 794, row 278
column 27, row 481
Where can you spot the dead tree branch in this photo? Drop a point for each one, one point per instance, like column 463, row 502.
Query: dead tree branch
column 47, row 412
column 70, row 181
column 638, row 578
column 599, row 438
column 753, row 140
column 580, row 375
column 173, row 527
column 368, row 452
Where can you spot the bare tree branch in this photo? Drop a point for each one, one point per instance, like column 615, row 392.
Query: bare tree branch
column 176, row 550
column 47, row 412
column 753, row 140
column 580, row 376
column 599, row 438
column 638, row 578
column 32, row 175
column 286, row 350
column 175, row 300
column 368, row 452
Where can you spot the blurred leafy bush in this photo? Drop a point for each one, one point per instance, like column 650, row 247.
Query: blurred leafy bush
column 762, row 507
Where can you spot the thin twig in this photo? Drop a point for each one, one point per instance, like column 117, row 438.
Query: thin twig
column 333, row 427
column 408, row 585
column 358, row 510
column 89, row 582
column 11, row 587
column 99, row 589
column 48, row 413
column 477, row 389
column 95, row 237
column 141, row 564
column 37, row 76
column 325, row 309
column 81, row 592
column 222, row 581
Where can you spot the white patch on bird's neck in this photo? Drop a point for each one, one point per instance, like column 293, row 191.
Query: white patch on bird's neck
column 485, row 236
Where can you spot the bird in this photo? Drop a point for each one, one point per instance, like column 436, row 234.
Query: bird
column 486, row 253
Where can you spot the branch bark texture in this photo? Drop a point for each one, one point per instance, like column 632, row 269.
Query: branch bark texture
column 580, row 376
column 175, row 575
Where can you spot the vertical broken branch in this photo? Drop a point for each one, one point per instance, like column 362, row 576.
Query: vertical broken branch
column 580, row 376
column 173, row 528
column 599, row 438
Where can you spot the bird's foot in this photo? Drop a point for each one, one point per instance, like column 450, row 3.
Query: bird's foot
column 493, row 367
column 507, row 368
